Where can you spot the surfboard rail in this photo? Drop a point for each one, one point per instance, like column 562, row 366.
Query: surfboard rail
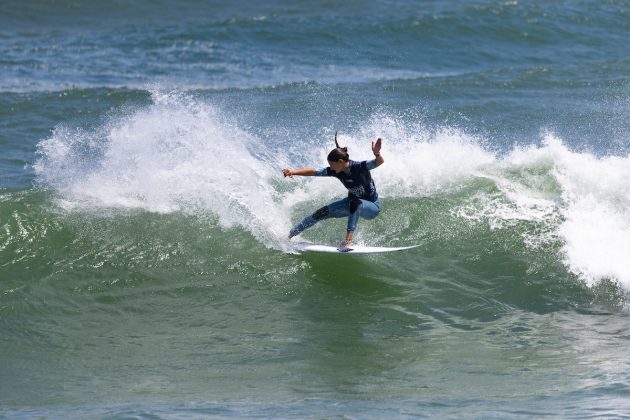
column 355, row 249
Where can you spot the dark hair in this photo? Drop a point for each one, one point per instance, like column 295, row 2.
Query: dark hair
column 339, row 153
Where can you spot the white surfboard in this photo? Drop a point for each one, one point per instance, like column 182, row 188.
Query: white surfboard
column 354, row 249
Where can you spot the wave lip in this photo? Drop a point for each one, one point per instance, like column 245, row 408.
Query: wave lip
column 596, row 227
column 586, row 199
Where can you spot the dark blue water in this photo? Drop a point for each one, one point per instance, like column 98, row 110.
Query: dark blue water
column 144, row 270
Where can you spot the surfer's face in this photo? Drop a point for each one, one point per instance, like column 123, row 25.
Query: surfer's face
column 339, row 166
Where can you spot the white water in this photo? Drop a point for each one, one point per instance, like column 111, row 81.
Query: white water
column 175, row 155
column 182, row 155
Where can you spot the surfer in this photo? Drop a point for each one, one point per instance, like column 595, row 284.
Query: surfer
column 362, row 200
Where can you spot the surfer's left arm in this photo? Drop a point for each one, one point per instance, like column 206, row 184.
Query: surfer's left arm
column 376, row 149
column 301, row 172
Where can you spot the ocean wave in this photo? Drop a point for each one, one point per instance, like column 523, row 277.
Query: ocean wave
column 182, row 155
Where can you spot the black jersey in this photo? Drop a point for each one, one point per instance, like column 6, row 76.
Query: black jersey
column 357, row 180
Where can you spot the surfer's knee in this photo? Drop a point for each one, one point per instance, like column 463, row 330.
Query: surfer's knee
column 369, row 210
column 370, row 214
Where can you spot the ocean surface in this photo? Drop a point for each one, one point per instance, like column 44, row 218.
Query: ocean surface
column 144, row 265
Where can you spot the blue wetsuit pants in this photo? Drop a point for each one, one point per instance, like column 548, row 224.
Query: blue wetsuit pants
column 366, row 209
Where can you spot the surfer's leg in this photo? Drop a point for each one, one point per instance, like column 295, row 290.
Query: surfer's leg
column 339, row 208
column 367, row 210
column 336, row 209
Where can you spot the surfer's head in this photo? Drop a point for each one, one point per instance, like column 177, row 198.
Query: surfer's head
column 337, row 154
column 338, row 157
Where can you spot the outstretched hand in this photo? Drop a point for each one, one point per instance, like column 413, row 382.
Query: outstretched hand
column 376, row 147
column 287, row 173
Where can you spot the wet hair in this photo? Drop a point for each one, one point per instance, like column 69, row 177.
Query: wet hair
column 339, row 153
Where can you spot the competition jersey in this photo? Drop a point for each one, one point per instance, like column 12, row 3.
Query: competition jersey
column 357, row 180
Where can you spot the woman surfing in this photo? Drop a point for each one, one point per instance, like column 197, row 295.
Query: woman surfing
column 362, row 200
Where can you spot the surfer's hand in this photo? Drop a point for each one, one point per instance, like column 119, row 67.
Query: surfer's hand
column 287, row 173
column 376, row 147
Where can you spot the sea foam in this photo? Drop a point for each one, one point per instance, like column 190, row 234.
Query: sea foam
column 178, row 154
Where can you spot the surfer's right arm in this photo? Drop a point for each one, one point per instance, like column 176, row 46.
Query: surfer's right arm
column 300, row 172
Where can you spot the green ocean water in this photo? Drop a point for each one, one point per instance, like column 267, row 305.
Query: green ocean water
column 144, row 266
